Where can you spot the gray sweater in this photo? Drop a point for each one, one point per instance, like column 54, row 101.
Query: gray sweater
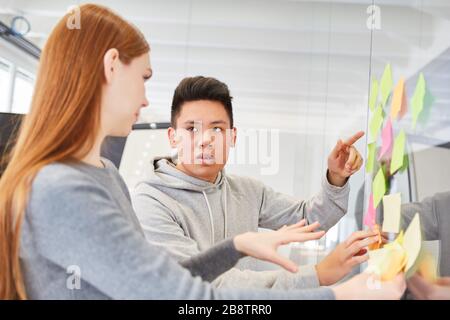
column 186, row 216
column 435, row 219
column 80, row 239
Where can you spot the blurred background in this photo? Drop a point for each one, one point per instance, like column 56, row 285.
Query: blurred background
column 300, row 73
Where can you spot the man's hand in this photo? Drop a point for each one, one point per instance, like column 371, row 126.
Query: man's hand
column 344, row 160
column 339, row 262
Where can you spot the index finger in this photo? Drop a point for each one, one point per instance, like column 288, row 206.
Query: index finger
column 354, row 138
column 359, row 235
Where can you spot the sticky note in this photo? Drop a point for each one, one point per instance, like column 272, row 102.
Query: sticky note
column 376, row 122
column 387, row 262
column 412, row 243
column 371, row 149
column 376, row 245
column 378, row 187
column 386, row 84
column 428, row 267
column 405, row 163
column 386, row 138
column 408, row 253
column 373, row 94
column 398, row 152
column 399, row 101
column 392, row 212
column 417, row 100
column 428, row 101
column 369, row 219
column 399, row 240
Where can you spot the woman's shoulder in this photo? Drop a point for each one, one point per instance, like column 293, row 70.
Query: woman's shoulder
column 58, row 173
column 63, row 179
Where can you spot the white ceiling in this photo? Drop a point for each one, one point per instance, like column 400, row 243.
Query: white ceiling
column 298, row 65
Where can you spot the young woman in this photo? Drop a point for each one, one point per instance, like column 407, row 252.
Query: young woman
column 67, row 228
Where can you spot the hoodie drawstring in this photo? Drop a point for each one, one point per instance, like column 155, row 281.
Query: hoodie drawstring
column 210, row 217
column 225, row 206
column 225, row 218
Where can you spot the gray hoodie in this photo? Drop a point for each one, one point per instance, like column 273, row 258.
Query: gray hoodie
column 186, row 215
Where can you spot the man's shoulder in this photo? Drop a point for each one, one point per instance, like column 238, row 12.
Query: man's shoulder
column 244, row 183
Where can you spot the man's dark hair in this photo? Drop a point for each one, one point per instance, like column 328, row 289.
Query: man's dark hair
column 200, row 88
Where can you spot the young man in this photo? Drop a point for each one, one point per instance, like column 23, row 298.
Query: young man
column 188, row 204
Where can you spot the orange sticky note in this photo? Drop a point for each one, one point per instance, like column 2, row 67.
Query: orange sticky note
column 399, row 107
column 376, row 245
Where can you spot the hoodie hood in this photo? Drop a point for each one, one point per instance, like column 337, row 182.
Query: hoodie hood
column 163, row 172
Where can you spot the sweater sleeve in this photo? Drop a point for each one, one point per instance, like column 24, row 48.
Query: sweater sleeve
column 214, row 261
column 75, row 222
column 327, row 207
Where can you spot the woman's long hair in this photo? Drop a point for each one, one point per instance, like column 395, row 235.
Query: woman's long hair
column 64, row 118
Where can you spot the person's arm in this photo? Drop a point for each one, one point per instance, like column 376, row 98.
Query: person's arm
column 163, row 230
column 327, row 207
column 305, row 278
column 213, row 262
column 77, row 223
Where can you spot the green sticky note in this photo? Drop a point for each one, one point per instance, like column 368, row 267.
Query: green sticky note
column 378, row 187
column 398, row 152
column 405, row 163
column 417, row 100
column 376, row 122
column 373, row 94
column 386, row 84
column 428, row 101
column 371, row 148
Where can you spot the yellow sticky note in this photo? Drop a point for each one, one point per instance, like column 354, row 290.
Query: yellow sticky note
column 373, row 94
column 392, row 212
column 428, row 267
column 387, row 262
column 398, row 152
column 378, row 187
column 398, row 107
column 412, row 243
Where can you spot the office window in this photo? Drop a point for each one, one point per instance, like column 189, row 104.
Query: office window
column 23, row 91
column 5, row 70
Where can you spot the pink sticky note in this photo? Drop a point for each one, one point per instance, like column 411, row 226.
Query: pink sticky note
column 386, row 137
column 369, row 219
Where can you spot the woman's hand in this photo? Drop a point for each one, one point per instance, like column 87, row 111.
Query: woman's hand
column 367, row 286
column 264, row 246
column 345, row 256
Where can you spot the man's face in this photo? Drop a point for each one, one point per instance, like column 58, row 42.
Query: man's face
column 203, row 138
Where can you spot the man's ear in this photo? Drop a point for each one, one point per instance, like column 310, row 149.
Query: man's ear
column 172, row 135
column 110, row 60
column 233, row 137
